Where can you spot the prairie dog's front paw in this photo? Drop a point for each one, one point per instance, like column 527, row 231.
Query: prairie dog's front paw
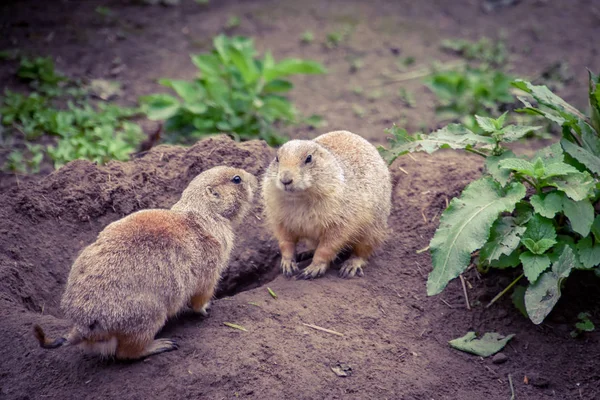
column 204, row 310
column 352, row 268
column 313, row 271
column 289, row 267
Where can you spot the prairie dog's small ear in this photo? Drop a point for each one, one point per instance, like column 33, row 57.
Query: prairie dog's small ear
column 212, row 192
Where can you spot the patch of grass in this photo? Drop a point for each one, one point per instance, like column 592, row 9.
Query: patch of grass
column 404, row 63
column 407, row 97
column 94, row 131
column 307, row 37
column 336, row 38
column 233, row 22
column 485, row 50
column 237, row 93
column 359, row 111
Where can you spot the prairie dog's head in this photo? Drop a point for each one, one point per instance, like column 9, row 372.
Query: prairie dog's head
column 303, row 166
column 226, row 191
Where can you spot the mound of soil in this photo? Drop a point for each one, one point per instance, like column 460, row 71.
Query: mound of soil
column 394, row 337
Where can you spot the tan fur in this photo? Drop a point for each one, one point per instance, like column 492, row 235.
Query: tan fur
column 149, row 265
column 341, row 199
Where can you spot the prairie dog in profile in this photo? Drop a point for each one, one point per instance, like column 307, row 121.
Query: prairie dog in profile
column 335, row 193
column 148, row 266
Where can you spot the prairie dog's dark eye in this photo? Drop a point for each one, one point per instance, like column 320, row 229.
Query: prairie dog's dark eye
column 236, row 179
column 308, row 159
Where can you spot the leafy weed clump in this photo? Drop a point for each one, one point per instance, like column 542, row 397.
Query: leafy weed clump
column 80, row 130
column 538, row 214
column 480, row 86
column 236, row 93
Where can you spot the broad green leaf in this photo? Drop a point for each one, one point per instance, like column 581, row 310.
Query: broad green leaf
column 510, row 261
column 547, row 205
column 557, row 169
column 542, row 296
column 578, row 186
column 551, row 155
column 539, row 247
column 486, row 123
column 188, row 91
column 504, row 239
column 277, row 86
column 596, row 228
column 220, row 43
column 580, row 214
column 545, row 97
column 493, row 168
column 588, row 252
column 534, row 265
column 523, row 213
column 513, row 133
column 195, row 108
column 279, row 108
column 159, row 106
column 490, row 343
column 582, row 155
column 292, row 66
column 208, row 64
column 465, row 226
column 539, row 228
column 245, row 65
column 453, row 136
column 518, row 299
column 519, row 165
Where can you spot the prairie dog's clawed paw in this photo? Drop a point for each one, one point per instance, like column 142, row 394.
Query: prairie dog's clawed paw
column 352, row 268
column 289, row 267
column 204, row 310
column 313, row 271
column 162, row 346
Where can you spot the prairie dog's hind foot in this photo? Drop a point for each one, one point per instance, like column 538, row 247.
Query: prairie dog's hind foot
column 352, row 267
column 131, row 350
column 289, row 267
column 314, row 271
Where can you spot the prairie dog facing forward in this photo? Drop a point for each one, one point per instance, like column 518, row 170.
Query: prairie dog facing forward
column 148, row 266
column 334, row 192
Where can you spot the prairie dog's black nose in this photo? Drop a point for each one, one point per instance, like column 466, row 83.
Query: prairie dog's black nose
column 286, row 178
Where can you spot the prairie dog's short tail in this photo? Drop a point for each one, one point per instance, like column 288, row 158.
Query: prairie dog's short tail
column 72, row 338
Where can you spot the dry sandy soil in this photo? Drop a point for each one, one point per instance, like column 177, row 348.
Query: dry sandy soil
column 394, row 336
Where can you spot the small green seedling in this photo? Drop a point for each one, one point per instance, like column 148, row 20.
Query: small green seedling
column 307, row 37
column 233, row 22
column 407, row 97
column 583, row 325
column 271, row 292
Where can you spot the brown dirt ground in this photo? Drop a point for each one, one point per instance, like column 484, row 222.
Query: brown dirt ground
column 395, row 338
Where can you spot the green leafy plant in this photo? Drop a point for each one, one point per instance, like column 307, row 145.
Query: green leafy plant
column 79, row 128
column 584, row 324
column 486, row 50
column 41, row 74
column 534, row 213
column 470, row 91
column 236, row 93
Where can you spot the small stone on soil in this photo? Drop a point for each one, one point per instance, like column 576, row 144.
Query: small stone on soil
column 341, row 369
column 499, row 358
